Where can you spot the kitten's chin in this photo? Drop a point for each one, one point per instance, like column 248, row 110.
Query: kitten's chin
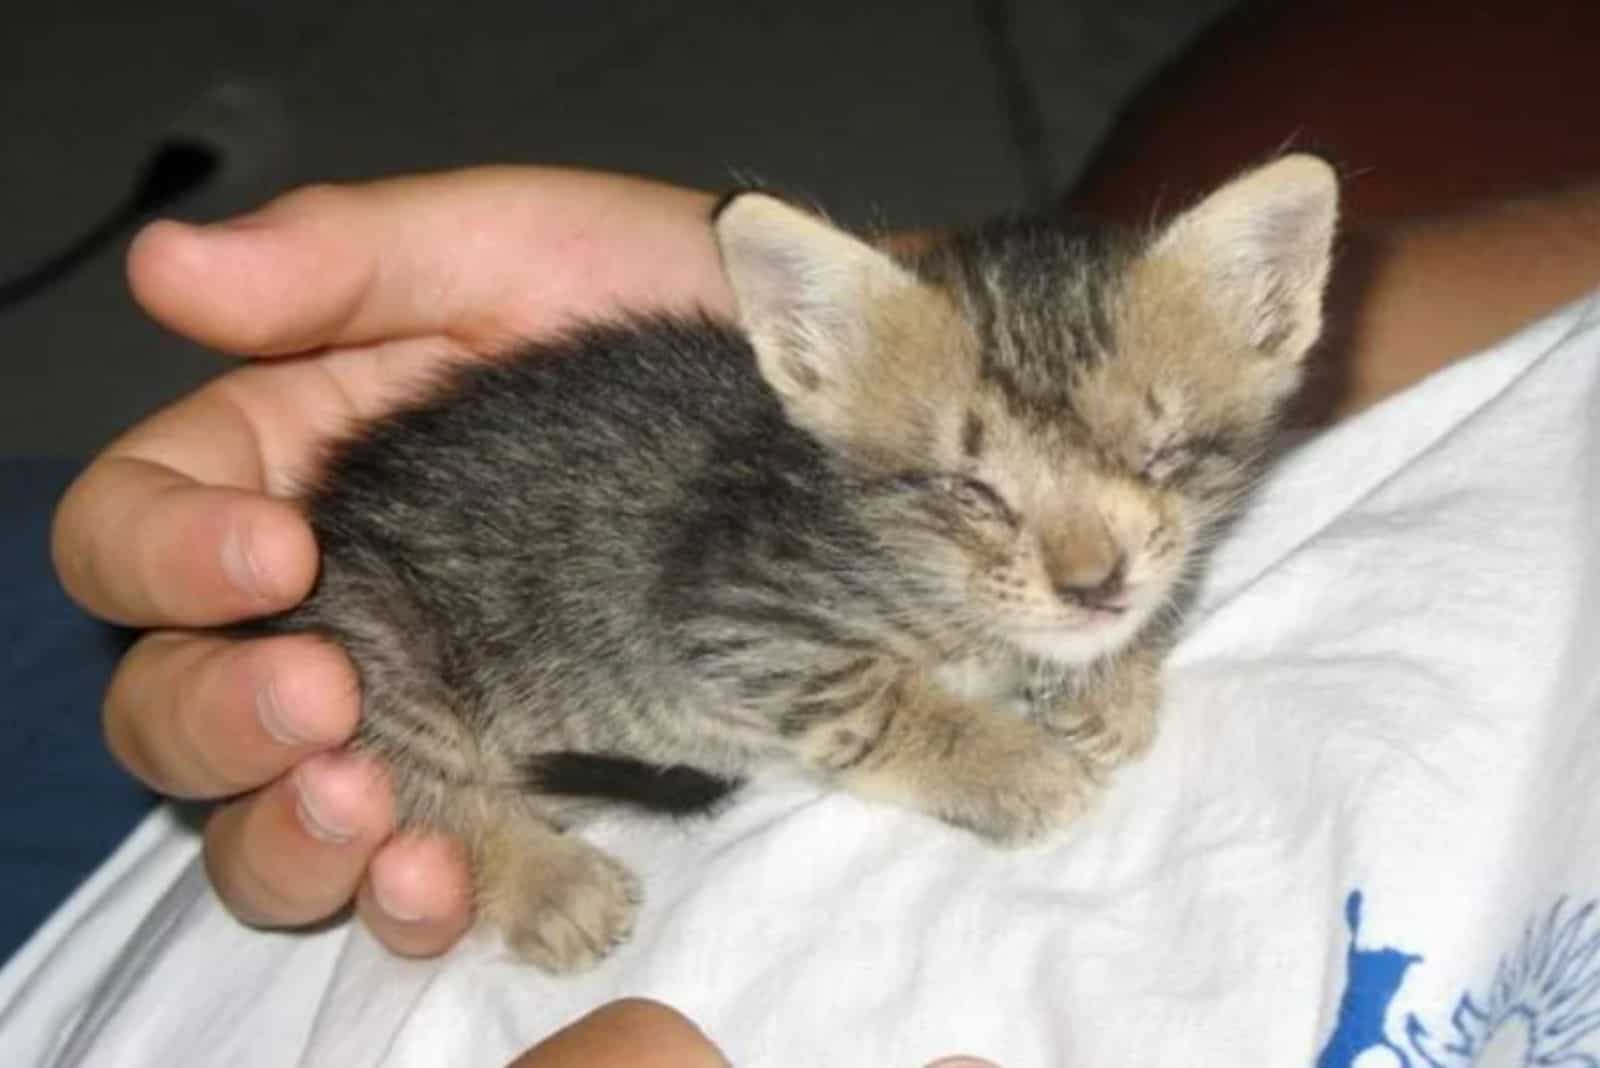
column 1080, row 643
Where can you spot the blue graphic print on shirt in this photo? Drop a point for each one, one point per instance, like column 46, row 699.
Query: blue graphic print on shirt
column 1541, row 1010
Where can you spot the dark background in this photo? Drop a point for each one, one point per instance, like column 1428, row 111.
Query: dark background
column 898, row 111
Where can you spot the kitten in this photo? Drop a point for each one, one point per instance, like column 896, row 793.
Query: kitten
column 851, row 534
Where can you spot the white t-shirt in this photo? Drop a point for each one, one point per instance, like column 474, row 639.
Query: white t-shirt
column 1368, row 834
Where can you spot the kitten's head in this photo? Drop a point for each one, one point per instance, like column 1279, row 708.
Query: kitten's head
column 1052, row 417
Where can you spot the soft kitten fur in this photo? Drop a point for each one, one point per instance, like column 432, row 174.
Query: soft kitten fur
column 915, row 526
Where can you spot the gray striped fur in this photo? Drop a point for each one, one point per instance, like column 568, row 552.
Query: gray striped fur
column 857, row 533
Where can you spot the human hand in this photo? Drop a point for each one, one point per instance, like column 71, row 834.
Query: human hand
column 346, row 294
column 637, row 1033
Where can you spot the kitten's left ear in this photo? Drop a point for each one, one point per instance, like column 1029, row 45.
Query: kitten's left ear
column 804, row 291
column 1263, row 247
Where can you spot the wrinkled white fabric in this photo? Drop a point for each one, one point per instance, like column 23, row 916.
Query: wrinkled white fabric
column 1385, row 715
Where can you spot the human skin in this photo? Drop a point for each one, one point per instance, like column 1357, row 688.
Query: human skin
column 631, row 1033
column 639, row 1033
column 1464, row 134
column 341, row 296
column 1428, row 107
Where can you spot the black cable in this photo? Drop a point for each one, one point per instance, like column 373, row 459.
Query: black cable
column 1021, row 104
column 177, row 168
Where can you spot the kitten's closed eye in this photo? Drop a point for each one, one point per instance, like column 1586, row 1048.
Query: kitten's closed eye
column 1179, row 459
column 976, row 499
column 1168, row 461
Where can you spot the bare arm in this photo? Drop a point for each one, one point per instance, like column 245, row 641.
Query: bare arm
column 1471, row 203
column 1417, row 295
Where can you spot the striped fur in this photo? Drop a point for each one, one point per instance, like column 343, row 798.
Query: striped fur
column 852, row 534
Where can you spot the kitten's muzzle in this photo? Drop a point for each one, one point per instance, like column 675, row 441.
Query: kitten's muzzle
column 1108, row 595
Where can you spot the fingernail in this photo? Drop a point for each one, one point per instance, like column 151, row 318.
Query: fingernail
column 315, row 815
column 270, row 713
column 240, row 564
column 395, row 907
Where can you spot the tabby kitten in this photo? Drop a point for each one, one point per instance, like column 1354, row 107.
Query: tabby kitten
column 914, row 525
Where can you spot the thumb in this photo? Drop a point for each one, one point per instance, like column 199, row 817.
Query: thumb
column 475, row 255
column 299, row 274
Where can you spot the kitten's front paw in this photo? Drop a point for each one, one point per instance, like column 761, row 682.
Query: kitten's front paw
column 1114, row 742
column 1021, row 804
column 1105, row 742
column 575, row 915
column 1107, row 721
column 1001, row 776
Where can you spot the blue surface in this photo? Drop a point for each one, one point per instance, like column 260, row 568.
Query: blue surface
column 65, row 804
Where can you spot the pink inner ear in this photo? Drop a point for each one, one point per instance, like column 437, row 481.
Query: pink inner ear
column 1273, row 268
column 765, row 280
column 1265, row 242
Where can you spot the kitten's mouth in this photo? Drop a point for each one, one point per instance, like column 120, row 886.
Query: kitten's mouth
column 1097, row 613
column 1089, row 634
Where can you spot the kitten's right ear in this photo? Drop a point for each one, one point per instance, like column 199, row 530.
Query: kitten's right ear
column 804, row 290
column 1262, row 246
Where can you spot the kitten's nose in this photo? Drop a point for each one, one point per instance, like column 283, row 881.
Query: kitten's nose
column 1104, row 595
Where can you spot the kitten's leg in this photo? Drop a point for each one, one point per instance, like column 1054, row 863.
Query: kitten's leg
column 1107, row 715
column 561, row 903
column 1004, row 777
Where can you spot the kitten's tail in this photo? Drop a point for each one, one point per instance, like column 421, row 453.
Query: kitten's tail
column 668, row 789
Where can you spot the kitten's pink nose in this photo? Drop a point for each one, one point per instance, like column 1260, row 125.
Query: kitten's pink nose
column 1104, row 595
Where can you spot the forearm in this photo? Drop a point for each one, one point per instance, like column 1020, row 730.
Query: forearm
column 1426, row 106
column 1412, row 297
column 1443, row 120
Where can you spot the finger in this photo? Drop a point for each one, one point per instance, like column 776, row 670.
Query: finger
column 200, row 716
column 138, row 543
column 417, row 897
column 295, row 852
column 453, row 254
column 631, row 1033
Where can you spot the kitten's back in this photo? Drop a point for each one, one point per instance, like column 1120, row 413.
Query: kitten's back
column 496, row 547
